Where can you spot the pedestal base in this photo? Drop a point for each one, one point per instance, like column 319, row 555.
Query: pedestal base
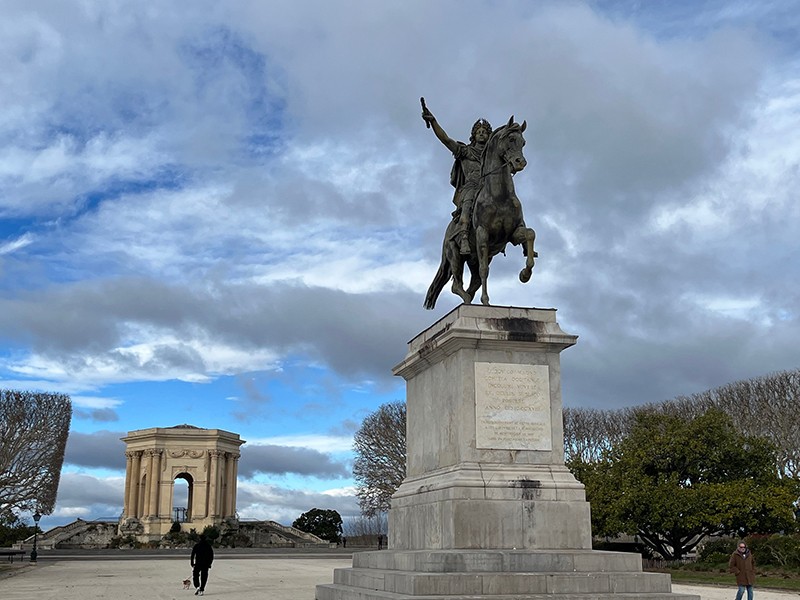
column 501, row 575
column 476, row 506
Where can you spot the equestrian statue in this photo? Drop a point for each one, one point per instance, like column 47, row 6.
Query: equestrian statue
column 488, row 214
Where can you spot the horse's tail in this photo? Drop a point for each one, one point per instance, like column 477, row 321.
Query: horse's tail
column 437, row 285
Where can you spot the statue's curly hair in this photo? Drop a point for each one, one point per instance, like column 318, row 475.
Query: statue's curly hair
column 479, row 124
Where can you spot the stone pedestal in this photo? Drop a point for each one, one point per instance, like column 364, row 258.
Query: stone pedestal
column 488, row 507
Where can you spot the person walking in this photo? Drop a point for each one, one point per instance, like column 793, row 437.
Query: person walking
column 742, row 565
column 201, row 559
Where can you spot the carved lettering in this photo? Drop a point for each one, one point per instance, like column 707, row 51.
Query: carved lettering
column 512, row 407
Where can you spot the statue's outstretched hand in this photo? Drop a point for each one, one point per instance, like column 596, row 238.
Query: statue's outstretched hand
column 427, row 115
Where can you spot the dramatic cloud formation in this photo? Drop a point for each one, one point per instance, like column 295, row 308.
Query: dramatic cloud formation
column 281, row 460
column 100, row 449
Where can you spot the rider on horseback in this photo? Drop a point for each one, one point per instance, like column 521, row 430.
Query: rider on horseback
column 466, row 173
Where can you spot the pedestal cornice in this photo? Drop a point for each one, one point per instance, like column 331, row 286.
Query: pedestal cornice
column 484, row 327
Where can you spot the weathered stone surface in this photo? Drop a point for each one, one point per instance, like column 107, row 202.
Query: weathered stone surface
column 478, row 370
column 528, row 575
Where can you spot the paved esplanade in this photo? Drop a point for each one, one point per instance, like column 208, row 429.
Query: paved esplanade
column 275, row 578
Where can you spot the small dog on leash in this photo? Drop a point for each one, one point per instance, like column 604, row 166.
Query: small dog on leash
column 187, row 583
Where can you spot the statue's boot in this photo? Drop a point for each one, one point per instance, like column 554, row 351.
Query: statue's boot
column 464, row 243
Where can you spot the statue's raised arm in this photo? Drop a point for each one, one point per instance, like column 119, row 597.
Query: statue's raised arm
column 465, row 175
column 431, row 122
column 488, row 213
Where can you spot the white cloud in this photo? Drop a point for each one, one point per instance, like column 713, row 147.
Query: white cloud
column 16, row 244
column 267, row 502
column 319, row 442
column 160, row 358
column 95, row 402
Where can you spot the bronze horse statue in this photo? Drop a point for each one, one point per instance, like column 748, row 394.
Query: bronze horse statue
column 496, row 221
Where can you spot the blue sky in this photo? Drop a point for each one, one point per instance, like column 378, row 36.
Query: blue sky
column 227, row 214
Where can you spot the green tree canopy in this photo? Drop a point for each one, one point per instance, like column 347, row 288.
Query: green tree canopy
column 673, row 480
column 325, row 524
column 12, row 529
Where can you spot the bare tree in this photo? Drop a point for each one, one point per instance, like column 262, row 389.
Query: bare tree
column 767, row 407
column 363, row 527
column 33, row 434
column 589, row 432
column 380, row 464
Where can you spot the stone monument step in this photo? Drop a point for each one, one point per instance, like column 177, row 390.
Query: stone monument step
column 497, row 584
column 499, row 561
column 343, row 592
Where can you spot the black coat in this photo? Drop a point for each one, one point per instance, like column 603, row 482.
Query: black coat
column 202, row 554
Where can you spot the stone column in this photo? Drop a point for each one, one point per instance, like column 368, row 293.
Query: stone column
column 132, row 481
column 154, row 478
column 126, row 506
column 135, row 483
column 224, row 479
column 223, row 484
column 145, row 497
column 213, row 483
column 233, row 469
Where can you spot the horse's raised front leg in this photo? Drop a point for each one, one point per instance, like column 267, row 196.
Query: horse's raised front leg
column 525, row 236
column 482, row 246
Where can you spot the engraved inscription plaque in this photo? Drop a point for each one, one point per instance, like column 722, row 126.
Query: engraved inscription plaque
column 512, row 407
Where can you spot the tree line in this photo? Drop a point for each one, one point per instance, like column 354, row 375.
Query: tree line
column 675, row 480
column 765, row 407
column 719, row 462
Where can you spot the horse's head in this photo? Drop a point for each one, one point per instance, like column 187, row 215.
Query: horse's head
column 510, row 143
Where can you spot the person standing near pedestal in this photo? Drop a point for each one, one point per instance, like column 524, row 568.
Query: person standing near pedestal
column 742, row 565
column 201, row 559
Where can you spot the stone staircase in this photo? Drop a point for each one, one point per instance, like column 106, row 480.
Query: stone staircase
column 64, row 534
column 259, row 531
column 499, row 575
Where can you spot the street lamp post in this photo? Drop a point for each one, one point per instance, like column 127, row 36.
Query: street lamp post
column 36, row 517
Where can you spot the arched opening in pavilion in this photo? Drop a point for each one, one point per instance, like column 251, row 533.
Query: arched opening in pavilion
column 182, row 494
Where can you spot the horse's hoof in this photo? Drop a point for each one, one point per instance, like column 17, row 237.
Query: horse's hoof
column 525, row 275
